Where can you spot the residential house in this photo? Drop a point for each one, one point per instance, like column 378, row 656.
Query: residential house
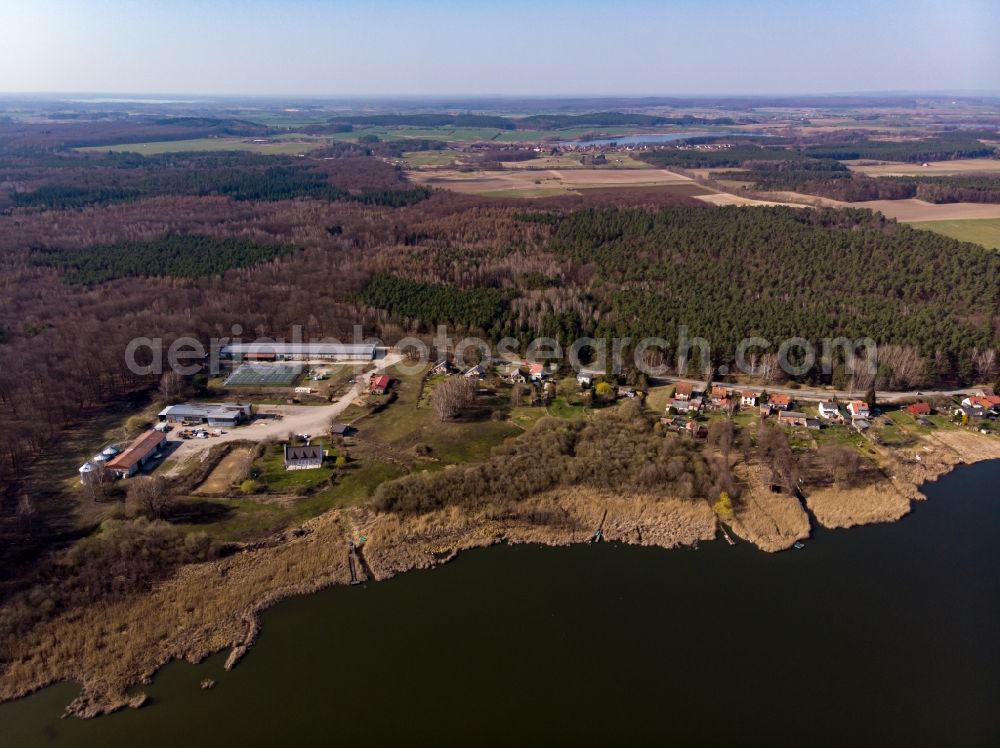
column 683, row 391
column 718, row 394
column 477, row 371
column 986, row 402
column 972, row 412
column 748, row 398
column 538, row 372
column 918, row 409
column 830, row 412
column 305, row 457
column 858, row 409
column 779, row 402
column 379, row 385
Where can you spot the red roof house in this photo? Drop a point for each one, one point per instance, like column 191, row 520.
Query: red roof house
column 918, row 409
column 379, row 384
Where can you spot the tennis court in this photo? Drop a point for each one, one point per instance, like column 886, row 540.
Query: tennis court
column 264, row 375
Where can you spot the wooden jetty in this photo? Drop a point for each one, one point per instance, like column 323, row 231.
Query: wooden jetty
column 353, row 562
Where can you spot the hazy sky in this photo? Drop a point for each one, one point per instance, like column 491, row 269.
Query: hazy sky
column 511, row 47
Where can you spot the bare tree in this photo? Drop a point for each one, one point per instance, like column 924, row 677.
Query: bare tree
column 171, row 386
column 452, row 396
column 985, row 363
column 720, row 435
column 842, row 462
column 147, row 496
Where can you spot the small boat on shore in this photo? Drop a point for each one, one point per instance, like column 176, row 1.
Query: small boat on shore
column 726, row 536
column 798, row 545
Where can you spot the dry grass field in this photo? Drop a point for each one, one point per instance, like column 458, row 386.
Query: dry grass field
column 546, row 182
column 225, row 473
column 964, row 167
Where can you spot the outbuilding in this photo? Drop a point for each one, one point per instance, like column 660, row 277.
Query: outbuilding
column 135, row 455
column 305, row 457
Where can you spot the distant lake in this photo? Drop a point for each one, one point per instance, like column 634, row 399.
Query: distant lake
column 656, row 137
column 875, row 636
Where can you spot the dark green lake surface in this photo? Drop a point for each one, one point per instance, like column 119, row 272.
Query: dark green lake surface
column 886, row 635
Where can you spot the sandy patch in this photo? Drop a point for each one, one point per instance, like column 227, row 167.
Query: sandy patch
column 225, row 473
column 725, row 198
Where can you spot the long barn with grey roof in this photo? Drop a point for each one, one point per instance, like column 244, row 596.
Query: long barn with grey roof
column 214, row 414
column 299, row 351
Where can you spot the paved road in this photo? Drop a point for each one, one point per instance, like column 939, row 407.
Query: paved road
column 297, row 419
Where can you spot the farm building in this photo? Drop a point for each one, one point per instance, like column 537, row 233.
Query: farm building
column 792, row 418
column 264, row 375
column 379, row 384
column 136, row 454
column 298, row 352
column 214, row 414
column 307, row 457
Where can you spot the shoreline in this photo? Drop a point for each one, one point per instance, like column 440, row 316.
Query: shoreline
column 111, row 648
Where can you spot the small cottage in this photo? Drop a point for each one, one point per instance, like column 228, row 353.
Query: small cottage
column 306, row 457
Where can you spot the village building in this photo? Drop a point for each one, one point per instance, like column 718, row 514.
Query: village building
column 683, row 391
column 972, row 412
column 341, row 429
column 213, row 414
column 304, row 457
column 748, row 398
column 379, row 385
column 792, row 418
column 918, row 409
column 779, row 402
column 695, row 429
column 830, row 412
column 986, row 402
column 538, row 372
column 298, row 352
column 136, row 455
column 718, row 394
column 858, row 409
column 477, row 371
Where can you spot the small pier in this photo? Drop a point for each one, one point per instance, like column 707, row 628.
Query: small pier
column 353, row 562
column 726, row 535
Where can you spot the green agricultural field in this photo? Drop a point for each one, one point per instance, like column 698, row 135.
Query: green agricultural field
column 281, row 147
column 984, row 231
column 429, row 158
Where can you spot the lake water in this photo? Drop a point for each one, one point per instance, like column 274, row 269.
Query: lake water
column 875, row 636
column 655, row 137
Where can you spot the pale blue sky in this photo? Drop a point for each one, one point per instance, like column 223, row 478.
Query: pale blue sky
column 378, row 47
